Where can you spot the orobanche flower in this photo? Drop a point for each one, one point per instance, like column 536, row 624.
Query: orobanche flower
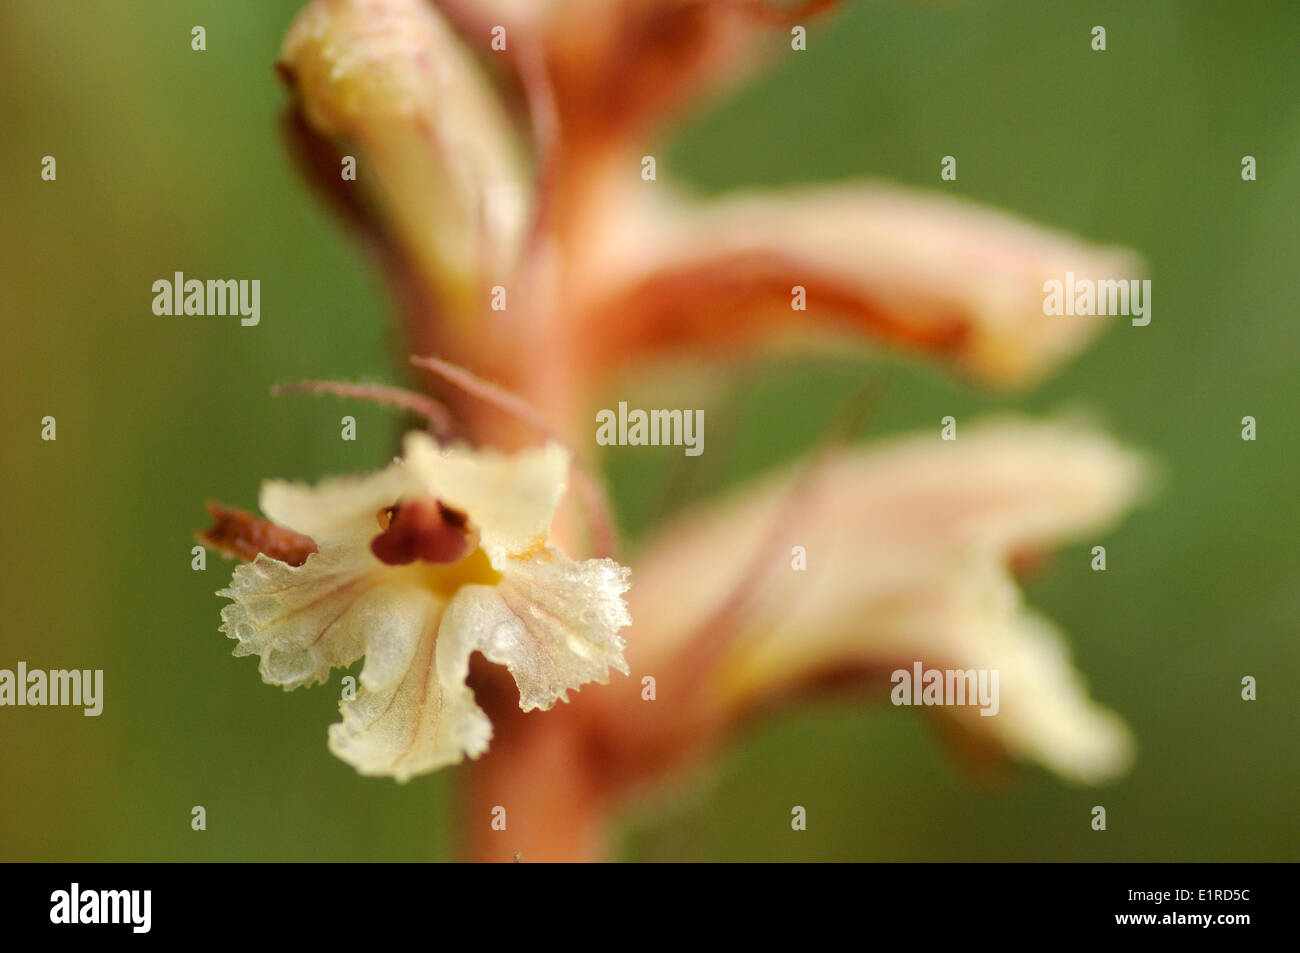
column 912, row 547
column 443, row 553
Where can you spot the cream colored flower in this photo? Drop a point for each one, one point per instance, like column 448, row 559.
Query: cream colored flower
column 909, row 550
column 878, row 262
column 441, row 554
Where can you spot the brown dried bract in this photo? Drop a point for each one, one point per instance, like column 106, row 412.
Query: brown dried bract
column 239, row 534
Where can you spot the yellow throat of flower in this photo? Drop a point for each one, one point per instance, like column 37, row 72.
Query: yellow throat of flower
column 445, row 579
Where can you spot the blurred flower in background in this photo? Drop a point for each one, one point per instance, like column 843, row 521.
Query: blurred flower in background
column 500, row 150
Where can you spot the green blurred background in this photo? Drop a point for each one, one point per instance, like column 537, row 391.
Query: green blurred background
column 170, row 159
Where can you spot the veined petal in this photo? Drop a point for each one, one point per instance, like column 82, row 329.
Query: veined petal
column 551, row 621
column 304, row 620
column 413, row 712
column 922, row 272
column 511, row 498
column 907, row 552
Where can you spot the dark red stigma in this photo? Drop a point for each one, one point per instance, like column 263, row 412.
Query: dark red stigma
column 427, row 530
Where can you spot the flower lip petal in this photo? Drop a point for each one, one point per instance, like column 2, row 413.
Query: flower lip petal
column 302, row 621
column 413, row 712
column 553, row 622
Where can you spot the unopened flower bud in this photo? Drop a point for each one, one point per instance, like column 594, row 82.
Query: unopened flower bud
column 435, row 144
